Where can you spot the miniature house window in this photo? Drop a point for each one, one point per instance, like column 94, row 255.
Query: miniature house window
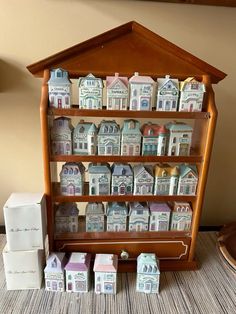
column 150, row 269
column 54, row 263
column 81, row 145
column 139, row 212
column 67, row 100
column 174, row 140
column 115, row 129
column 52, row 99
column 160, row 103
column 137, row 148
column 173, row 104
column 164, row 173
column 131, row 125
column 185, row 135
column 105, row 130
column 58, row 74
column 150, row 132
column 194, row 85
column 85, row 146
column 135, row 92
column 71, row 171
column 154, row 269
column 123, row 172
column 111, row 129
column 76, row 171
column 81, row 130
column 65, row 171
column 145, row 268
column 124, row 148
column 169, row 86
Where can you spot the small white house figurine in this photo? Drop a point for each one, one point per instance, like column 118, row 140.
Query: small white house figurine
column 85, row 138
column 166, row 179
column 138, row 216
column 143, row 180
column 188, row 179
column 116, row 216
column 131, row 138
column 105, row 268
column 66, row 218
column 72, row 178
column 59, row 89
column 117, row 92
column 141, row 92
column 155, row 139
column 109, row 138
column 180, row 138
column 159, row 216
column 148, row 273
column 122, row 179
column 181, row 217
column 54, row 272
column 191, row 95
column 61, row 136
column 167, row 94
column 94, row 217
column 77, row 272
column 90, row 92
column 99, row 179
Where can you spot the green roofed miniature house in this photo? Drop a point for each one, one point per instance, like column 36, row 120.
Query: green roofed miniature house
column 109, row 138
column 85, row 138
column 90, row 92
column 131, row 138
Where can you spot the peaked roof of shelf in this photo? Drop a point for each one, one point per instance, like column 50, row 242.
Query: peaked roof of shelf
column 126, row 49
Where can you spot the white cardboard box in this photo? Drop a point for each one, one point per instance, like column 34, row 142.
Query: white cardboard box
column 25, row 221
column 23, row 269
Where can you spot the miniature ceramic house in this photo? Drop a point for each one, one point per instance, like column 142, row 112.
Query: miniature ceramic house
column 61, row 136
column 131, row 138
column 54, row 272
column 77, row 272
column 109, row 138
column 59, row 89
column 72, row 178
column 166, row 179
column 138, row 216
column 99, row 179
column 122, row 179
column 155, row 139
column 188, row 179
column 117, row 92
column 94, row 217
column 141, row 92
column 105, row 268
column 180, row 138
column 143, row 180
column 116, row 216
column 90, row 92
column 191, row 95
column 181, row 217
column 159, row 216
column 66, row 218
column 85, row 139
column 167, row 94
column 148, row 273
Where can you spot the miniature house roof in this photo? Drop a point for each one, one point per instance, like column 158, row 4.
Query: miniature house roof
column 165, row 170
column 131, row 126
column 85, row 127
column 113, row 80
column 102, row 168
column 78, row 262
column 186, row 85
column 162, row 82
column 73, row 168
column 181, row 207
column 179, row 127
column 55, row 262
column 94, row 208
column 184, row 170
column 90, row 77
column 159, row 207
column 58, row 127
column 67, row 209
column 105, row 263
column 136, row 78
column 148, row 263
column 138, row 169
column 152, row 129
column 132, row 47
column 109, row 127
column 114, row 207
column 136, row 206
column 121, row 170
column 59, row 77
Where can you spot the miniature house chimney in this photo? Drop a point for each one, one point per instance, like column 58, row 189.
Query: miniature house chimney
column 167, row 76
column 136, row 74
column 116, row 74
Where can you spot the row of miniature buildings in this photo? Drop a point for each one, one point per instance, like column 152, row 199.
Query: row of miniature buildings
column 122, row 179
column 155, row 216
column 173, row 139
column 73, row 275
column 137, row 93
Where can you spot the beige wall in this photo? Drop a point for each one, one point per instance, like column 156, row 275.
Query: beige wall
column 32, row 30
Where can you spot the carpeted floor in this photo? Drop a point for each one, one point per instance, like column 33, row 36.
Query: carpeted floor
column 210, row 290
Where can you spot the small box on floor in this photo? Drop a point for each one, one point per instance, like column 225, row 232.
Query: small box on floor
column 25, row 221
column 23, row 269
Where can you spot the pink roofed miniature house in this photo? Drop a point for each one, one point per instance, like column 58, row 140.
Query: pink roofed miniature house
column 117, row 92
column 77, row 272
column 105, row 268
column 141, row 92
column 181, row 216
column 155, row 139
column 54, row 272
column 159, row 216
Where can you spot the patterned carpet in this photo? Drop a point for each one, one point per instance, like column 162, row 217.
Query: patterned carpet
column 212, row 289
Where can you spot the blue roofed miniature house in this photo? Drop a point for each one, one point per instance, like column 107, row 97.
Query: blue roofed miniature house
column 61, row 136
column 167, row 94
column 54, row 272
column 188, row 180
column 180, row 139
column 131, row 138
column 181, row 217
column 166, row 179
column 141, row 92
column 116, row 216
column 191, row 95
column 143, row 180
column 90, row 92
column 85, row 138
column 109, row 138
column 122, row 179
column 59, row 89
column 99, row 179
column 159, row 216
column 94, row 217
column 72, row 178
column 148, row 273
column 138, row 216
column 117, row 92
column 66, row 218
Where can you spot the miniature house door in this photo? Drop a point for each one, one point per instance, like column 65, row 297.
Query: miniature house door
column 148, row 287
column 183, row 149
column 71, row 189
column 59, row 102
